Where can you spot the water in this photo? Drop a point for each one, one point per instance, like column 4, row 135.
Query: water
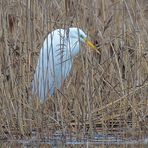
column 62, row 145
column 54, row 143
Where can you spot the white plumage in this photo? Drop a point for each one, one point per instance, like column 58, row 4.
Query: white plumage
column 55, row 60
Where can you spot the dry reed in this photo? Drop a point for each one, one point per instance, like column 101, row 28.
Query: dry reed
column 104, row 93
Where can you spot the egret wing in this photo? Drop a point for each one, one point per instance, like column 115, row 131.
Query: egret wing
column 53, row 66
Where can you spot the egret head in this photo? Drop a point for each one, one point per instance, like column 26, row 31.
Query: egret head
column 77, row 33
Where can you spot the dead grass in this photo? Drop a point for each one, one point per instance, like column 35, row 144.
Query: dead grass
column 106, row 93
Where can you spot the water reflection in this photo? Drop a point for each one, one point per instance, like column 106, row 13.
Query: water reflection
column 60, row 144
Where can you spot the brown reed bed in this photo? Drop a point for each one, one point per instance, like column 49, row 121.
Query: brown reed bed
column 104, row 93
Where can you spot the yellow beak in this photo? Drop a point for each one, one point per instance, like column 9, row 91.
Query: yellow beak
column 89, row 44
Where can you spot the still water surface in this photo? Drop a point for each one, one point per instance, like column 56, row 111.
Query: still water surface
column 74, row 144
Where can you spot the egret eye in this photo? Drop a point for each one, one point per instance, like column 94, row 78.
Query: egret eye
column 81, row 36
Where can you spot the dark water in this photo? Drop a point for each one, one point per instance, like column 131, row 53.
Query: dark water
column 15, row 145
column 75, row 144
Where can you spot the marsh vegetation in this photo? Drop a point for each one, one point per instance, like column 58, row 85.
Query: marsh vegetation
column 105, row 93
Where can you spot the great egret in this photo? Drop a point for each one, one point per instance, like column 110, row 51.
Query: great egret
column 55, row 60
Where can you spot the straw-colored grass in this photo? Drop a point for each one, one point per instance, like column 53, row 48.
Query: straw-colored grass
column 105, row 93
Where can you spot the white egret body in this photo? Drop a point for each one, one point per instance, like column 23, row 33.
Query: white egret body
column 55, row 60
